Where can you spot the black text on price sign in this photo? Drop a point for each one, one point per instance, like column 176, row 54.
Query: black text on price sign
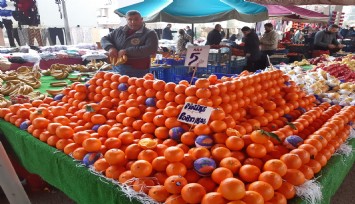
column 197, row 56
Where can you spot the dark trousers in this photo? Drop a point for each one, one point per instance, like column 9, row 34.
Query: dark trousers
column 53, row 33
column 16, row 36
column 8, row 25
column 253, row 65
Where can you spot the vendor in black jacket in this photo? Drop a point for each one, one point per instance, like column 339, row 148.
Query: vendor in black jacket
column 251, row 49
column 214, row 37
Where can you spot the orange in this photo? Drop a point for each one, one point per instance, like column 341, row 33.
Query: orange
column 148, row 155
column 141, row 168
column 253, row 197
column 174, row 154
column 176, row 168
column 114, row 171
column 232, row 189
column 160, row 163
column 218, row 126
column 174, row 184
column 213, row 197
column 193, row 193
column 92, row 144
column 158, row 193
column 287, row 189
column 101, row 165
column 207, row 183
column 202, row 129
column 294, row 177
column 256, row 150
column 249, row 173
column 175, row 199
column 292, row 161
column 265, row 189
column 272, row 178
column 231, row 163
column 221, row 173
column 234, row 143
column 220, row 152
column 115, row 157
column 132, row 151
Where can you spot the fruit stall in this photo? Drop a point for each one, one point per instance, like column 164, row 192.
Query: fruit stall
column 121, row 139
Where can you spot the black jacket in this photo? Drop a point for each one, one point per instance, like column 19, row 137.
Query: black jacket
column 251, row 46
column 214, row 37
column 167, row 34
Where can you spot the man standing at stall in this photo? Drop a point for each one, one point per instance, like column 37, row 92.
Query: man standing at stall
column 268, row 42
column 167, row 33
column 251, row 49
column 327, row 40
column 214, row 37
column 136, row 42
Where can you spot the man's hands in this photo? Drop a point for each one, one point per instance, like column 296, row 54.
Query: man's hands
column 341, row 46
column 121, row 53
column 113, row 52
column 331, row 46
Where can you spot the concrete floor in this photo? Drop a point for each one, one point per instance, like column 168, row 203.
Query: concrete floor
column 345, row 194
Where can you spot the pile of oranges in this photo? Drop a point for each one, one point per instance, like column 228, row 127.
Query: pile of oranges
column 128, row 120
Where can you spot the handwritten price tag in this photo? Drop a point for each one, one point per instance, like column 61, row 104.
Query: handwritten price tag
column 197, row 56
column 195, row 114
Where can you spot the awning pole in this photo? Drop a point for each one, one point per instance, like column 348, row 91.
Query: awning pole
column 66, row 24
column 194, row 32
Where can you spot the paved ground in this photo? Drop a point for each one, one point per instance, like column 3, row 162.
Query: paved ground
column 345, row 194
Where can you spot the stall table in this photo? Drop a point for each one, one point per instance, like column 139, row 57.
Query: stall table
column 78, row 183
column 46, row 64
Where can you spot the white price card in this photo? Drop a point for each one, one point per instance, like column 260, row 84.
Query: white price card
column 193, row 113
column 197, row 56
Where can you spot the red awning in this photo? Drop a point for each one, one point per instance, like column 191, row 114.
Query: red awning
column 277, row 10
column 304, row 2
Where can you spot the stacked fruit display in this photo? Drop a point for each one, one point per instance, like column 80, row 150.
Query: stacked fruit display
column 326, row 87
column 264, row 137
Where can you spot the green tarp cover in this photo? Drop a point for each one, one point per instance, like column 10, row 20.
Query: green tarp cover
column 82, row 186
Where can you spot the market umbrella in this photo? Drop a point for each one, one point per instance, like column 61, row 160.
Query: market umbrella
column 197, row 11
column 304, row 2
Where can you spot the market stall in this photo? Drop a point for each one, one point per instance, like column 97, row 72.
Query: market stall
column 63, row 133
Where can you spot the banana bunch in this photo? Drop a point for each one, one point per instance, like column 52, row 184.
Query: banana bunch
column 21, row 89
column 9, row 87
column 106, row 67
column 4, row 103
column 60, row 74
column 95, row 64
column 36, row 95
column 118, row 61
column 11, row 75
column 31, row 81
column 301, row 63
column 23, row 70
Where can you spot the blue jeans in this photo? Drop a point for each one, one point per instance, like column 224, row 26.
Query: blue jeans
column 130, row 71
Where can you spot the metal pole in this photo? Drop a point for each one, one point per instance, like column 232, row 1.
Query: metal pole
column 194, row 32
column 66, row 24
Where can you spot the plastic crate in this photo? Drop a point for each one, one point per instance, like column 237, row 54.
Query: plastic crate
column 237, row 66
column 222, row 56
column 159, row 72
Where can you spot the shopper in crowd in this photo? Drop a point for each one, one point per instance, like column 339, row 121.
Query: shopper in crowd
column 135, row 41
column 167, row 33
column 268, row 42
column 298, row 37
column 231, row 41
column 189, row 31
column 289, row 35
column 251, row 49
column 327, row 39
column 214, row 37
column 344, row 31
column 183, row 39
